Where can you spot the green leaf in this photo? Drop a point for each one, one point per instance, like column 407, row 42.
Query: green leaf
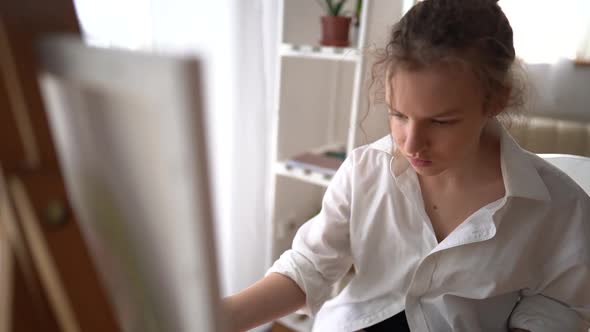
column 333, row 7
column 338, row 7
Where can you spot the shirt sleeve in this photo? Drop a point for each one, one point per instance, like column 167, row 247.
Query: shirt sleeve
column 320, row 253
column 562, row 303
column 538, row 313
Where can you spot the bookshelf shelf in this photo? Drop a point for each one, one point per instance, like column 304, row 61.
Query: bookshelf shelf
column 320, row 52
column 281, row 168
column 316, row 166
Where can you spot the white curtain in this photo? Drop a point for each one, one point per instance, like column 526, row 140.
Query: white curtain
column 238, row 42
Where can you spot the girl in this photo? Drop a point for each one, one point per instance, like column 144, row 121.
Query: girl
column 448, row 224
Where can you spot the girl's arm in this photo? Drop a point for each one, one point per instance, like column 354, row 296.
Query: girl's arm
column 320, row 255
column 270, row 298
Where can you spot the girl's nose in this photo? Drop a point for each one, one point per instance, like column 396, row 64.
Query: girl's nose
column 415, row 139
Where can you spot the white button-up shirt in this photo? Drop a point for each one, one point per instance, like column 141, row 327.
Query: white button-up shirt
column 521, row 261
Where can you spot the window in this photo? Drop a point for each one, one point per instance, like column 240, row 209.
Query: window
column 113, row 23
column 546, row 30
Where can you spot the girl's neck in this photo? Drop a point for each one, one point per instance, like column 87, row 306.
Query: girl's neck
column 482, row 166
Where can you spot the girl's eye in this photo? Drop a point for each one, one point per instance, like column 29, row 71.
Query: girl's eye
column 443, row 122
column 397, row 115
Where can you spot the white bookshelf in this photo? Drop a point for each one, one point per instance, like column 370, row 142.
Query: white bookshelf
column 320, row 101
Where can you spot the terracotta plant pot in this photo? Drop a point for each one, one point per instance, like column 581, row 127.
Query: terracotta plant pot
column 335, row 30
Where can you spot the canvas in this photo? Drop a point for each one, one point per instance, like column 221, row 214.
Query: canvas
column 129, row 133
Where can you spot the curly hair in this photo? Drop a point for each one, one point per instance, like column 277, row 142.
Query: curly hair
column 475, row 33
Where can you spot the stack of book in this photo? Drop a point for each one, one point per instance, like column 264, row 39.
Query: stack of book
column 326, row 163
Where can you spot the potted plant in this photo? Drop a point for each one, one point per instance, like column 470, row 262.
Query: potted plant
column 335, row 26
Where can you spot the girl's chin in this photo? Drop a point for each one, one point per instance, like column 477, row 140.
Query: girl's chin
column 429, row 170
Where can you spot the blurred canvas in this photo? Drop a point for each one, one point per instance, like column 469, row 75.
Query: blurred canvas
column 129, row 135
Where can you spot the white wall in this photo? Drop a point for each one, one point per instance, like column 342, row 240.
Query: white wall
column 561, row 90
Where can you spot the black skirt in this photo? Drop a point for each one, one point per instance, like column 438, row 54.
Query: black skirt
column 397, row 323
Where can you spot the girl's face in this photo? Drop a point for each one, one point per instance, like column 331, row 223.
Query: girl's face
column 436, row 117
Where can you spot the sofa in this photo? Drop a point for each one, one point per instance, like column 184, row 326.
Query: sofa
column 548, row 135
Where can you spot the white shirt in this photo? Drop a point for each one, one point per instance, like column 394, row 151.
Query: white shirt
column 522, row 261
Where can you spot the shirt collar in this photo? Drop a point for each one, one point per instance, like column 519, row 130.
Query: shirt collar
column 398, row 164
column 521, row 178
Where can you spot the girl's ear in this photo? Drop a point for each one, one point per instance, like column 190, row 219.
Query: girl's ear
column 499, row 102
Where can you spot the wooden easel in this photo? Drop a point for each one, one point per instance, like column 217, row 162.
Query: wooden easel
column 47, row 279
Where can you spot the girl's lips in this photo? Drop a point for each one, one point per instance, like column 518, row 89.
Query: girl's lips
column 416, row 162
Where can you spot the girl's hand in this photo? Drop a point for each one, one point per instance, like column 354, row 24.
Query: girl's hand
column 268, row 299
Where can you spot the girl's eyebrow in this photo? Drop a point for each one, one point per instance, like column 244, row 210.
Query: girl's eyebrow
column 449, row 112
